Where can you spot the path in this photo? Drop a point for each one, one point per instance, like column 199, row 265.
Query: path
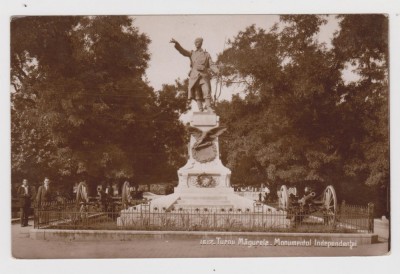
column 24, row 247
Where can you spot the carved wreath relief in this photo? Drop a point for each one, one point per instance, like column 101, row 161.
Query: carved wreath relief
column 203, row 180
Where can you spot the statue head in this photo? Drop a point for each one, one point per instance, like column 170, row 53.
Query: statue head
column 198, row 42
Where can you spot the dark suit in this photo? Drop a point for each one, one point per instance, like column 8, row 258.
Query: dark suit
column 25, row 195
column 43, row 198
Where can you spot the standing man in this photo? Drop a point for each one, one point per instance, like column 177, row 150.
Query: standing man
column 199, row 76
column 25, row 194
column 44, row 193
column 43, row 197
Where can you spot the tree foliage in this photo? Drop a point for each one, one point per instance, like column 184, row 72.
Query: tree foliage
column 362, row 44
column 298, row 122
column 80, row 106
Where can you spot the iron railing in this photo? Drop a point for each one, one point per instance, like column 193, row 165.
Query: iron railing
column 76, row 214
column 142, row 216
column 357, row 216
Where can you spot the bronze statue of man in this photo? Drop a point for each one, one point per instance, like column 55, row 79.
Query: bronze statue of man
column 199, row 75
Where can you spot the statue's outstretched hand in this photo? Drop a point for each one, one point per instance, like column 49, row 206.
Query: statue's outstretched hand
column 173, row 41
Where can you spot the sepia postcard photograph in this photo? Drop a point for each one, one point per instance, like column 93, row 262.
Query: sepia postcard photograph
column 149, row 136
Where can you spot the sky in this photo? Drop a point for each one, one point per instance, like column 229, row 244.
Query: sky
column 167, row 65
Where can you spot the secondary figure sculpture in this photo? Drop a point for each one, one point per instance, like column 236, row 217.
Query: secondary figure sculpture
column 199, row 76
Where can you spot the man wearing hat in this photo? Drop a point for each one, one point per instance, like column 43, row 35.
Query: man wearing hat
column 199, row 77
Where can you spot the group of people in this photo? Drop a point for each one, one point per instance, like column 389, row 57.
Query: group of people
column 27, row 195
column 45, row 194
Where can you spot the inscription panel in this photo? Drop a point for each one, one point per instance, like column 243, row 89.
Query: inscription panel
column 204, row 119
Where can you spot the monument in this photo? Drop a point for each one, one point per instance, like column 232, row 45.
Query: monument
column 204, row 182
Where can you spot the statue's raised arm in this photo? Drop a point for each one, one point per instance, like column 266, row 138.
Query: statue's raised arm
column 179, row 48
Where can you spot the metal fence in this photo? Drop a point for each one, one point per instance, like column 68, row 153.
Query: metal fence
column 142, row 216
column 71, row 214
column 361, row 217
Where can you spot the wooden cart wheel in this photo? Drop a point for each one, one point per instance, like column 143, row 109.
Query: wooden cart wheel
column 283, row 195
column 82, row 199
column 82, row 193
column 126, row 195
column 330, row 204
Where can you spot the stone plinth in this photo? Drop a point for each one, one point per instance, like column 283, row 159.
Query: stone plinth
column 204, row 119
column 204, row 182
column 200, row 180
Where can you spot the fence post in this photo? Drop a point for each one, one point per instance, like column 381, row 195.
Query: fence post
column 35, row 217
column 371, row 217
column 214, row 221
column 343, row 206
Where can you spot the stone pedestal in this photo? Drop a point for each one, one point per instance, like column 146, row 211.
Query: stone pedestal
column 204, row 171
column 204, row 182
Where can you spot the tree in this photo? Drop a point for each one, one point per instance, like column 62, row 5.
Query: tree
column 298, row 122
column 171, row 134
column 80, row 106
column 362, row 45
column 281, row 123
